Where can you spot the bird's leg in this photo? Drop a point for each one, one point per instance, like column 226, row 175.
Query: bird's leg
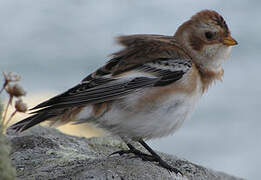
column 155, row 157
column 132, row 150
column 146, row 157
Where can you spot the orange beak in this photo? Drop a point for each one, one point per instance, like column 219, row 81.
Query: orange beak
column 229, row 41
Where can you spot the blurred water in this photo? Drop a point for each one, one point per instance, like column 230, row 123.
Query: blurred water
column 54, row 44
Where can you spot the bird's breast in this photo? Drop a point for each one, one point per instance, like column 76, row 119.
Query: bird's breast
column 153, row 112
column 154, row 120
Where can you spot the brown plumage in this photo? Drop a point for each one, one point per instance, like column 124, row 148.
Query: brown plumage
column 140, row 49
column 207, row 15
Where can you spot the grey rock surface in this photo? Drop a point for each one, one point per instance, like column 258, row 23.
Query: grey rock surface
column 45, row 153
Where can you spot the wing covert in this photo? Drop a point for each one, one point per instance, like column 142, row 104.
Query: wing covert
column 99, row 89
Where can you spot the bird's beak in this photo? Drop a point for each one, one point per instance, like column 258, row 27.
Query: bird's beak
column 229, row 41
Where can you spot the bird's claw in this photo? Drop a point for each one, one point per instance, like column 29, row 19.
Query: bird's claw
column 147, row 157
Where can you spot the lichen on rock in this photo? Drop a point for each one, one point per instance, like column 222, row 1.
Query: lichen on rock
column 45, row 153
column 7, row 172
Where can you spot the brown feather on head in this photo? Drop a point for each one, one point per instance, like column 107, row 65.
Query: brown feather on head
column 210, row 16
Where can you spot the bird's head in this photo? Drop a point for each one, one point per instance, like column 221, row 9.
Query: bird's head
column 207, row 38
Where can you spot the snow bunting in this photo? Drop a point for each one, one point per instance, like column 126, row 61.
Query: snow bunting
column 147, row 89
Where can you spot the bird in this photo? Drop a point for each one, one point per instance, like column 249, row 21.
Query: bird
column 147, row 89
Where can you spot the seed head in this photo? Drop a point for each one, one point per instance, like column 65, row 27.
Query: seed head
column 11, row 77
column 20, row 106
column 15, row 90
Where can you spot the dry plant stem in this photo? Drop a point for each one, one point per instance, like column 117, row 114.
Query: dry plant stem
column 7, row 106
column 5, row 84
column 9, row 119
column 2, row 89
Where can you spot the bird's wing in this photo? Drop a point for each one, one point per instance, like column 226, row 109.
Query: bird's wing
column 100, row 89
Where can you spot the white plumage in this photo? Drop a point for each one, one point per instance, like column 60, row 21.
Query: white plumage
column 153, row 121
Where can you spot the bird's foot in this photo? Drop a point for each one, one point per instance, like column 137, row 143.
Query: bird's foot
column 134, row 151
column 161, row 162
column 147, row 157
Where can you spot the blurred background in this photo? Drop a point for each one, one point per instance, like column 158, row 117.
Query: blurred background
column 55, row 44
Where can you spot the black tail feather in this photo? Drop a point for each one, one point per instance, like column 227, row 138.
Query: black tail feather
column 30, row 121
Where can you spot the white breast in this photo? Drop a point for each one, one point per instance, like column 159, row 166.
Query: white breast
column 156, row 121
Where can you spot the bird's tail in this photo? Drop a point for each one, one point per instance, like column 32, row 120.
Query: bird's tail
column 31, row 121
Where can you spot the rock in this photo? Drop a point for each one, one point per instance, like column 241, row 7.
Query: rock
column 45, row 153
column 7, row 172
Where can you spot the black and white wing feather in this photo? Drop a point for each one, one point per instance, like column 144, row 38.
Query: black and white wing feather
column 100, row 89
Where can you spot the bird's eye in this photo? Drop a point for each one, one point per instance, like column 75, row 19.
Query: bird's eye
column 209, row 35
